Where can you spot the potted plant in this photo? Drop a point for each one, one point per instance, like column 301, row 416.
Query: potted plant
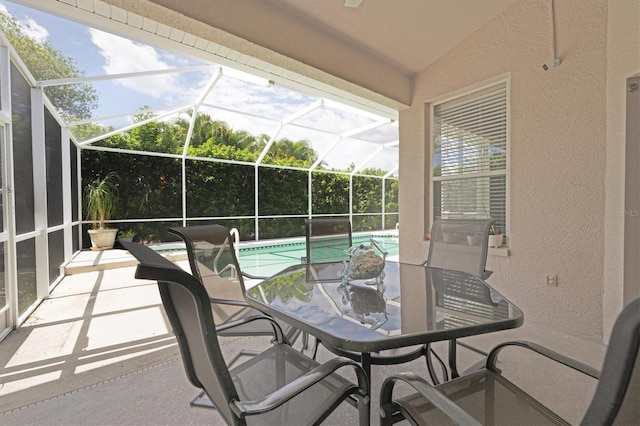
column 127, row 235
column 101, row 198
column 495, row 236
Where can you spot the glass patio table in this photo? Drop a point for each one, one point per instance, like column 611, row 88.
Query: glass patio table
column 406, row 305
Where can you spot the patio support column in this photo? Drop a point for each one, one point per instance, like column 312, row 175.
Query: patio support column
column 631, row 288
column 11, row 284
column 67, row 214
column 384, row 193
column 184, row 190
column 351, row 199
column 79, row 194
column 623, row 64
column 256, row 182
column 310, row 196
column 40, row 193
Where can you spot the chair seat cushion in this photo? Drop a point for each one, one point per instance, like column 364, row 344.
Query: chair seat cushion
column 488, row 397
column 274, row 368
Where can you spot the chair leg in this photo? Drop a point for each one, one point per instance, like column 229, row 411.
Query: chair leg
column 428, row 353
column 243, row 352
column 364, row 410
column 389, row 414
column 473, row 348
column 478, row 365
column 315, row 348
column 453, row 359
column 202, row 400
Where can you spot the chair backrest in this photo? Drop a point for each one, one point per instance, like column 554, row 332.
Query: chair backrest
column 327, row 240
column 189, row 311
column 461, row 245
column 617, row 396
column 213, row 261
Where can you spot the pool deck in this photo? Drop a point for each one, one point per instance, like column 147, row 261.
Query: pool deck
column 90, row 260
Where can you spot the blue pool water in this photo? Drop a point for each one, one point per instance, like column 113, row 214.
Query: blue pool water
column 267, row 260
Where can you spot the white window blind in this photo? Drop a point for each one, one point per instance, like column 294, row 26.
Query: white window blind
column 470, row 156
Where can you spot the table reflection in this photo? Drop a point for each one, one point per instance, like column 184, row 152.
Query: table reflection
column 365, row 304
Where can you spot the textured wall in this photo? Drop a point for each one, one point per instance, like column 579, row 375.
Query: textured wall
column 557, row 155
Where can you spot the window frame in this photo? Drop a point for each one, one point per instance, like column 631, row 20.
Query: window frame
column 453, row 96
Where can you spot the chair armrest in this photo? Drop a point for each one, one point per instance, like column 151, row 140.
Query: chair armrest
column 435, row 397
column 253, row 277
column 492, row 358
column 285, row 393
column 277, row 330
column 228, row 301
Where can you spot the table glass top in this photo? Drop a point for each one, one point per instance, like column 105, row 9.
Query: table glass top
column 405, row 305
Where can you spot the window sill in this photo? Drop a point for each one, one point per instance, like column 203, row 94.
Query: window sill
column 500, row 251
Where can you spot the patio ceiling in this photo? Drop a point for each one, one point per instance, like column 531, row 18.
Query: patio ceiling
column 394, row 31
column 374, row 50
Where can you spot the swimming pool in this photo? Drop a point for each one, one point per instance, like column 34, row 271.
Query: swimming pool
column 270, row 257
column 265, row 258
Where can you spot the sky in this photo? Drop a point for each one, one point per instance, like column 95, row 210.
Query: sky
column 97, row 53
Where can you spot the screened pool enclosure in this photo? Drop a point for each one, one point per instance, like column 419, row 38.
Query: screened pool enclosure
column 190, row 140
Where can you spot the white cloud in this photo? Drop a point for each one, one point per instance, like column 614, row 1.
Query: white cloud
column 35, row 30
column 126, row 56
column 30, row 27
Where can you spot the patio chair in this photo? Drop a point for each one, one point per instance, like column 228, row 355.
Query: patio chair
column 459, row 245
column 213, row 262
column 278, row 386
column 487, row 397
column 327, row 240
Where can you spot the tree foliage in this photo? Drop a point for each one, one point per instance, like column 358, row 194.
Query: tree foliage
column 74, row 101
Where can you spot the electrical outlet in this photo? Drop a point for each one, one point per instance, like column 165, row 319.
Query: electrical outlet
column 552, row 280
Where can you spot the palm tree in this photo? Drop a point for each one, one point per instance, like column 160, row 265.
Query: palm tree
column 222, row 133
column 202, row 132
column 299, row 150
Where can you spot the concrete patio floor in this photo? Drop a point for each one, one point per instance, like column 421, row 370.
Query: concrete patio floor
column 100, row 351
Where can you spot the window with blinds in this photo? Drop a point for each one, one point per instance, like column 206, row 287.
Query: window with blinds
column 469, row 154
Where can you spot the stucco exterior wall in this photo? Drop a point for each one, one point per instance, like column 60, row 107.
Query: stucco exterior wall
column 556, row 154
